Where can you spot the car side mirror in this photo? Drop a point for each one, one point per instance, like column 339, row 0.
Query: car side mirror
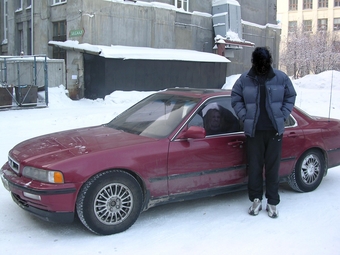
column 193, row 132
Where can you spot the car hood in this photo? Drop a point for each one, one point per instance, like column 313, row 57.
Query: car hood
column 67, row 144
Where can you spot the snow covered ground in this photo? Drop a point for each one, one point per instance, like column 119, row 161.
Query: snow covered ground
column 308, row 223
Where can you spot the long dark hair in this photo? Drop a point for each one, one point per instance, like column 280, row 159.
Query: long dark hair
column 262, row 60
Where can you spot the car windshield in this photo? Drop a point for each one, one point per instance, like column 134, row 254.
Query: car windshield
column 156, row 116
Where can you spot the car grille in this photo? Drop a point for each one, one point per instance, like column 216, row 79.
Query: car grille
column 22, row 203
column 13, row 164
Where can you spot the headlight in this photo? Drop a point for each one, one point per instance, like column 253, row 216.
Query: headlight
column 43, row 175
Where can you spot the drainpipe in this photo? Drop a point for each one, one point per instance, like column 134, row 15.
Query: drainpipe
column 32, row 27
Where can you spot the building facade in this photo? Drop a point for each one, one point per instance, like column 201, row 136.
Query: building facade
column 310, row 15
column 27, row 27
column 313, row 15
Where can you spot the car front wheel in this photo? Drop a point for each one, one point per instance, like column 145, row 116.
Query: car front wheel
column 308, row 172
column 110, row 202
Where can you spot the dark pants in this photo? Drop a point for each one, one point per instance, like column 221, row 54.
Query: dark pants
column 264, row 152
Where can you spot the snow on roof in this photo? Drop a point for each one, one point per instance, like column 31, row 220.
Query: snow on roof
column 220, row 2
column 150, row 4
column 160, row 5
column 24, row 58
column 146, row 53
column 260, row 26
column 232, row 38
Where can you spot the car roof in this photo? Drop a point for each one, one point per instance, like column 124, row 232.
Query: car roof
column 198, row 92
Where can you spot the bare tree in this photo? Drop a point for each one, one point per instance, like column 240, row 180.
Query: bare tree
column 304, row 52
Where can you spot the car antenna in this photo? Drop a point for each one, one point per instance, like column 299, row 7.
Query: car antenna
column 330, row 98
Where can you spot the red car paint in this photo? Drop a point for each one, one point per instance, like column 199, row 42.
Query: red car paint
column 183, row 164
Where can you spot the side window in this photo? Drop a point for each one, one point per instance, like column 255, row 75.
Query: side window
column 217, row 117
column 290, row 122
column 197, row 120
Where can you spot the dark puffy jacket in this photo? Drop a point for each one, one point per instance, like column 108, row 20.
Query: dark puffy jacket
column 280, row 99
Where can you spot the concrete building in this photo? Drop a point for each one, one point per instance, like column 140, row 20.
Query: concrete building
column 27, row 27
column 259, row 26
column 313, row 15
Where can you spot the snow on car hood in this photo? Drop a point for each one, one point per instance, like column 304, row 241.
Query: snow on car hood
column 67, row 144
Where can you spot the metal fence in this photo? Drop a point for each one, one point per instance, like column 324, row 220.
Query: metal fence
column 23, row 81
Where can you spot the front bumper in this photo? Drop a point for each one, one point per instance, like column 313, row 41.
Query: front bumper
column 50, row 202
column 59, row 217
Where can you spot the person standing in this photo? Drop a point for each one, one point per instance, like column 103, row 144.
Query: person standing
column 263, row 99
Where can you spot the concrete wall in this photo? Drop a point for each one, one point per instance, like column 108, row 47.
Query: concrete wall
column 261, row 36
column 258, row 26
column 114, row 23
column 259, row 11
column 132, row 24
column 107, row 23
column 195, row 5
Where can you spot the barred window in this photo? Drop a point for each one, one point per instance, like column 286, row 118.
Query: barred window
column 336, row 24
column 59, row 34
column 323, row 3
column 293, row 5
column 307, row 25
column 292, row 25
column 307, row 4
column 322, row 24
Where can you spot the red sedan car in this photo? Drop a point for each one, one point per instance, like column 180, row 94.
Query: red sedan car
column 174, row 145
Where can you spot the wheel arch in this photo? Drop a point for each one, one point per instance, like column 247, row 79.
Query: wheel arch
column 295, row 178
column 119, row 208
column 140, row 181
column 132, row 173
column 316, row 148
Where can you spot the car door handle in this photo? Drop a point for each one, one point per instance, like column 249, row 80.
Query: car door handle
column 235, row 143
column 292, row 135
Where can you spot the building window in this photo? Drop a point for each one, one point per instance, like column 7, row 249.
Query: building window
column 292, row 25
column 20, row 39
column 307, row 25
column 337, row 24
column 29, row 39
column 18, row 5
column 59, row 34
column 59, row 1
column 336, row 3
column 293, row 5
column 323, row 3
column 182, row 4
column 307, row 4
column 5, row 21
column 322, row 24
column 28, row 4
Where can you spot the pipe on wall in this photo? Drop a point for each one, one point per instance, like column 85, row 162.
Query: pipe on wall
column 32, row 27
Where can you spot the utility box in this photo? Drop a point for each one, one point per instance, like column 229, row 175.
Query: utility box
column 26, row 95
column 6, row 96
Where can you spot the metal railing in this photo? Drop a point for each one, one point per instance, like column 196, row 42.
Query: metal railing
column 23, row 81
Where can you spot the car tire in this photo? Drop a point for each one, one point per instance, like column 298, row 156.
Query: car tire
column 110, row 202
column 308, row 172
